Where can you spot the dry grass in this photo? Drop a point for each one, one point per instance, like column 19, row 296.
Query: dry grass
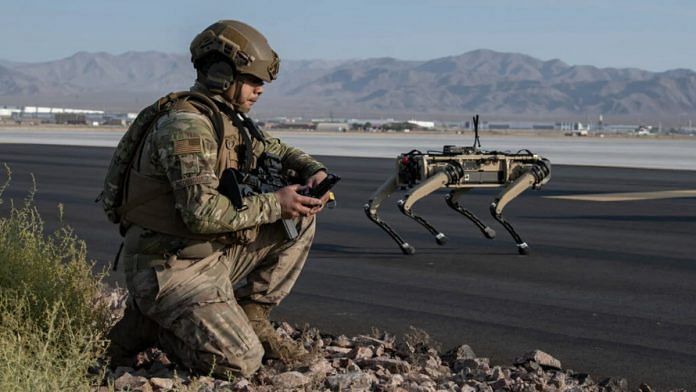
column 51, row 325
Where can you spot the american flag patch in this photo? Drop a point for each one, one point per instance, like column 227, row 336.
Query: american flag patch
column 187, row 146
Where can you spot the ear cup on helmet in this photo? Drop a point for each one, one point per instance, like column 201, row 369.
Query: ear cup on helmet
column 219, row 77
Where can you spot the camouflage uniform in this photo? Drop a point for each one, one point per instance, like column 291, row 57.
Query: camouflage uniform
column 181, row 287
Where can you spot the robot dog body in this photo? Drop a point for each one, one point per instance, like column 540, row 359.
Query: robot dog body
column 460, row 169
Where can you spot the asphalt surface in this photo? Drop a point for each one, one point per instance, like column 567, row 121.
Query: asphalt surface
column 609, row 288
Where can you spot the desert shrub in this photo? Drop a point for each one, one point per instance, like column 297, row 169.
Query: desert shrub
column 51, row 322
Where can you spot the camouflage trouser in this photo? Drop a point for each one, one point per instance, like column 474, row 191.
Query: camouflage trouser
column 189, row 308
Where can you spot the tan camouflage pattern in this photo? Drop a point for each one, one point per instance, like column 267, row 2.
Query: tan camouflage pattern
column 125, row 150
column 193, row 177
column 188, row 305
column 193, row 172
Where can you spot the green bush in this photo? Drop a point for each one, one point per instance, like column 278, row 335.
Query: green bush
column 51, row 321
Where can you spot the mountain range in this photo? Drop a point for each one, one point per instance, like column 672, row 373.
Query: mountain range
column 482, row 81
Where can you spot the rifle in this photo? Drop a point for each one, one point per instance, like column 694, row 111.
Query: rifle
column 266, row 178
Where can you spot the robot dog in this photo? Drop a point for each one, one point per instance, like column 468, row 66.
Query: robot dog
column 460, row 169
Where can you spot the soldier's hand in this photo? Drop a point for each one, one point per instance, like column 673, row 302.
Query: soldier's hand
column 315, row 180
column 293, row 205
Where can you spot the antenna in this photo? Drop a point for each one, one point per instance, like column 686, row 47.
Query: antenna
column 476, row 135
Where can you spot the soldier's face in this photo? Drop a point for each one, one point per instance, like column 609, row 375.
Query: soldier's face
column 249, row 92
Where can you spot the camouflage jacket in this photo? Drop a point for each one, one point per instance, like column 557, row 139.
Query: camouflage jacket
column 182, row 149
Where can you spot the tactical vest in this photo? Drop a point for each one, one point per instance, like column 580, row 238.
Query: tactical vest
column 130, row 197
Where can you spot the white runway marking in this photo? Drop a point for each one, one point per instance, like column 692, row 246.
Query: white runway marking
column 631, row 196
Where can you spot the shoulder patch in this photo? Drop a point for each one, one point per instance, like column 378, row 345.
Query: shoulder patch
column 187, row 146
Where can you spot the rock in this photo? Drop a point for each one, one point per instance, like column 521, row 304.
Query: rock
column 396, row 380
column 391, row 364
column 319, row 343
column 495, row 374
column 475, row 363
column 241, row 385
column 419, row 378
column 584, row 379
column 382, row 374
column 209, row 382
column 336, row 351
column 459, row 352
column 540, row 357
column 130, row 382
column 360, row 353
column 484, row 388
column 121, row 370
column 369, row 362
column 558, row 380
column 613, row 384
column 364, row 340
column 287, row 328
column 447, row 386
column 439, row 373
column 162, row 383
column 502, row 383
column 350, row 381
column 345, row 363
column 645, row 388
column 432, row 362
column 320, row 368
column 221, row 385
column 342, row 341
column 290, row 380
column 415, row 387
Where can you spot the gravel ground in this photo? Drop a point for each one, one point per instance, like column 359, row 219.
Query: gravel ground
column 376, row 361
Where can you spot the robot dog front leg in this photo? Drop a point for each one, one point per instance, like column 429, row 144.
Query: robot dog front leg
column 373, row 204
column 536, row 176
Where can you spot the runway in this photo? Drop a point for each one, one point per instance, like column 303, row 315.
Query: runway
column 609, row 287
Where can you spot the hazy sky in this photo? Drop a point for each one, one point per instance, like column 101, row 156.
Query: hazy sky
column 653, row 35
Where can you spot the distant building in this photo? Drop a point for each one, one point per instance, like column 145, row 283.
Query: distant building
column 521, row 125
column 332, row 127
column 70, row 118
column 423, row 124
column 620, row 128
column 9, row 111
column 376, row 123
column 56, row 115
column 294, row 125
column 582, row 132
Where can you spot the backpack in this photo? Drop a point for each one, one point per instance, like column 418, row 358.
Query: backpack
column 113, row 195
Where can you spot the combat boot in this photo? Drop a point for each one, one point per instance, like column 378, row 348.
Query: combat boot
column 274, row 345
column 132, row 333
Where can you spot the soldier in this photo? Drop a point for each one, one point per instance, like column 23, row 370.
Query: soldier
column 202, row 273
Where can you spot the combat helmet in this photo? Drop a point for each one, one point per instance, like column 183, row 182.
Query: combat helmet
column 228, row 48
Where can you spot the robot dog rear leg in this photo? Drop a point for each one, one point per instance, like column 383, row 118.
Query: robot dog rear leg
column 452, row 200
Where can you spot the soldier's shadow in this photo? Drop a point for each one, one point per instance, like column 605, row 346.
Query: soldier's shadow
column 349, row 250
column 337, row 250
